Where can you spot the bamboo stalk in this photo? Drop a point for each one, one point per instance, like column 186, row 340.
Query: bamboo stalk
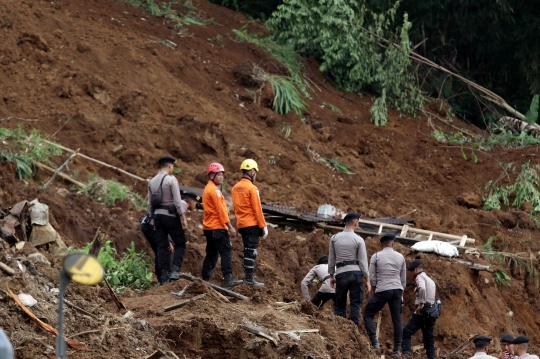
column 60, row 174
column 59, row 169
column 97, row 161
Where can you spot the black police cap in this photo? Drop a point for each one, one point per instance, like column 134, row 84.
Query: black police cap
column 507, row 338
column 166, row 159
column 483, row 339
column 414, row 264
column 351, row 216
column 521, row 339
column 387, row 238
column 323, row 260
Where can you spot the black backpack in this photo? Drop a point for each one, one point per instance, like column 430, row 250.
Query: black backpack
column 157, row 197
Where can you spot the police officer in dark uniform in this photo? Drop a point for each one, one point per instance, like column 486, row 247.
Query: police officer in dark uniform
column 347, row 264
column 169, row 219
column 507, row 346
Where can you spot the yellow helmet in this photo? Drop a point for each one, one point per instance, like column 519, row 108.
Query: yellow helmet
column 249, row 164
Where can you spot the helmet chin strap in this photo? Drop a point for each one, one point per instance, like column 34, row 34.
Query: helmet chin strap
column 249, row 177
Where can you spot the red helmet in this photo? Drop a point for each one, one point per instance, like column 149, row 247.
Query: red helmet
column 215, row 167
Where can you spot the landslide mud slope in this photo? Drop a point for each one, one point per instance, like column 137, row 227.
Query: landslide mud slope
column 129, row 100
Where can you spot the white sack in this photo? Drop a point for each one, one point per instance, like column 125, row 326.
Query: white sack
column 444, row 249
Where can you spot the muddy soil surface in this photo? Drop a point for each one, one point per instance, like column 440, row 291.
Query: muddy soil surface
column 98, row 75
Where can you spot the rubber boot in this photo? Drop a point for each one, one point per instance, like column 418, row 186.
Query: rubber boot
column 164, row 278
column 397, row 349
column 229, row 282
column 175, row 275
column 374, row 342
column 251, row 281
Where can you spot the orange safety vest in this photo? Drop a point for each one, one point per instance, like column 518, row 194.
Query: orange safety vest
column 247, row 205
column 216, row 213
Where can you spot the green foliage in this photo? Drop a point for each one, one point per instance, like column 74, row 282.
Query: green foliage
column 525, row 189
column 216, row 40
column 130, row 271
column 286, row 96
column 190, row 17
column 23, row 149
column 332, row 107
column 532, row 115
column 346, row 38
column 502, row 279
column 286, row 130
column 283, row 53
column 499, row 137
column 108, row 191
column 255, row 8
column 457, row 137
column 338, row 166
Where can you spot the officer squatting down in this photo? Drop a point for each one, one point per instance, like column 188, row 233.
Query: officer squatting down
column 343, row 272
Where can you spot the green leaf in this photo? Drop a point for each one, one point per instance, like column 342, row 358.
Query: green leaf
column 532, row 115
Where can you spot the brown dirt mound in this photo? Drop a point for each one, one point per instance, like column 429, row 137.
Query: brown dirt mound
column 129, row 100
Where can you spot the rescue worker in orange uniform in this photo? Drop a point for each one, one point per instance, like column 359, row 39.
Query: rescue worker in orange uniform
column 216, row 227
column 249, row 217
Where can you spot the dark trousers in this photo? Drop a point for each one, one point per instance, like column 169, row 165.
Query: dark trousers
column 320, row 298
column 150, row 234
column 169, row 226
column 250, row 237
column 349, row 282
column 426, row 324
column 217, row 244
column 375, row 303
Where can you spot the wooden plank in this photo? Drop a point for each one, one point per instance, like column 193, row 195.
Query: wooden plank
column 463, row 345
column 183, row 302
column 463, row 241
column 380, row 228
column 297, row 331
column 222, row 290
column 7, row 269
column 430, row 237
column 404, row 230
column 411, row 231
column 259, row 333
column 61, row 174
column 476, row 266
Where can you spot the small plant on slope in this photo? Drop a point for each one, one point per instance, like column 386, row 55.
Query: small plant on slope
column 526, row 188
column 23, row 149
column 130, row 271
column 108, row 191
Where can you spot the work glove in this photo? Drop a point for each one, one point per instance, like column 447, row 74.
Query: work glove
column 265, row 232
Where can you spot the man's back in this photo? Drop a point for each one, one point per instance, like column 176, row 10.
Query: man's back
column 247, row 205
column 387, row 270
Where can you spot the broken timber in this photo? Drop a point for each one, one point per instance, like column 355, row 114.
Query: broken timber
column 476, row 266
column 183, row 302
column 402, row 228
column 408, row 241
column 259, row 333
column 225, row 291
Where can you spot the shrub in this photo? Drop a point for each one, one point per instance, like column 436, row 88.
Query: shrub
column 525, row 189
column 338, row 166
column 130, row 271
column 284, row 54
column 23, row 149
column 108, row 191
column 347, row 38
column 286, row 95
